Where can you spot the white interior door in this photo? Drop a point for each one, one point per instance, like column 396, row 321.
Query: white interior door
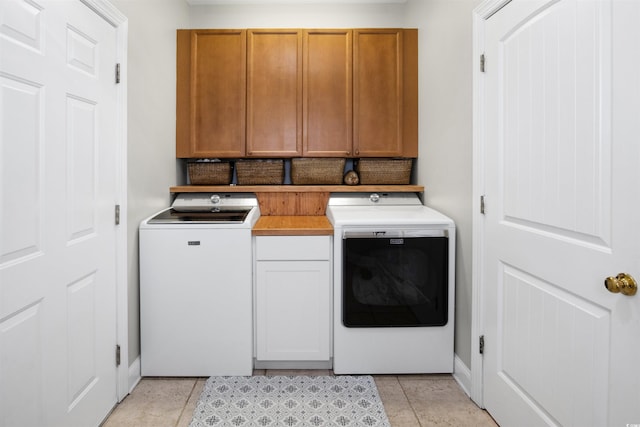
column 561, row 119
column 57, row 231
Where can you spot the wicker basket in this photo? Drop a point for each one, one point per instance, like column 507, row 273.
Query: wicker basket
column 384, row 171
column 209, row 173
column 310, row 171
column 260, row 172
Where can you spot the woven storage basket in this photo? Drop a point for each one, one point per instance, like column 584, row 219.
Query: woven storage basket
column 309, row 171
column 260, row 172
column 384, row 171
column 209, row 173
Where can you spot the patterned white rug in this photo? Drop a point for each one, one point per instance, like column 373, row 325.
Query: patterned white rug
column 296, row 401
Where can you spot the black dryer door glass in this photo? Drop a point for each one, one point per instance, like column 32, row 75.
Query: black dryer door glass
column 395, row 282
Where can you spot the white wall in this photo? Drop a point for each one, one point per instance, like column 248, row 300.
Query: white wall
column 445, row 132
column 151, row 151
column 297, row 16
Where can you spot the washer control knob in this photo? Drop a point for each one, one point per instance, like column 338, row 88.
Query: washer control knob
column 375, row 198
column 215, row 199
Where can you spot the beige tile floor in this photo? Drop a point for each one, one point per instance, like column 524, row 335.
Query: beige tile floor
column 409, row 401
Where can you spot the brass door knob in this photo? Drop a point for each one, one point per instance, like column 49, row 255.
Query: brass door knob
column 623, row 283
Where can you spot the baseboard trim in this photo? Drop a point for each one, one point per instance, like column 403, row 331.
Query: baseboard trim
column 462, row 375
column 134, row 374
column 284, row 364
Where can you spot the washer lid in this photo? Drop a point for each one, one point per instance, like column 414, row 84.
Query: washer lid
column 207, row 208
column 217, row 215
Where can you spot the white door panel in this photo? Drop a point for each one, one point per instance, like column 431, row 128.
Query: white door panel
column 293, row 310
column 561, row 177
column 57, row 233
column 21, row 203
column 556, row 141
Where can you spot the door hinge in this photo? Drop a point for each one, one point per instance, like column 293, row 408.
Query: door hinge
column 482, row 63
column 117, row 73
column 117, row 355
column 482, row 204
column 117, row 215
column 481, row 344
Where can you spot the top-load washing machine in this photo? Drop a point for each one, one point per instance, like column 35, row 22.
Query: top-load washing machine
column 196, row 286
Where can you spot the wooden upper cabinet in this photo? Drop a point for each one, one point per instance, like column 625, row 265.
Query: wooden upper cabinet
column 211, row 93
column 294, row 93
column 274, row 93
column 384, row 107
column 327, row 93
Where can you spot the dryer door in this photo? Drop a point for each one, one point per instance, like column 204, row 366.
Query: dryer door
column 391, row 280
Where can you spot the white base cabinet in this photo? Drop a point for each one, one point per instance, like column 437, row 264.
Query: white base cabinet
column 293, row 298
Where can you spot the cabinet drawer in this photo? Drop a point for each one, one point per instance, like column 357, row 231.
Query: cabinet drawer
column 284, row 248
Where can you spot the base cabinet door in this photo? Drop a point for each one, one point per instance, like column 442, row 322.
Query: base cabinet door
column 293, row 310
column 293, row 299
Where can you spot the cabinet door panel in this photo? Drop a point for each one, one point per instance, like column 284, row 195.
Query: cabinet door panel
column 327, row 107
column 293, row 310
column 378, row 92
column 274, row 93
column 211, row 95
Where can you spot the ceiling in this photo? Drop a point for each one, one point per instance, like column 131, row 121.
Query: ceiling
column 244, row 2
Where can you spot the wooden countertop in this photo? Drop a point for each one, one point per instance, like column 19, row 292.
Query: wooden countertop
column 289, row 225
column 296, row 188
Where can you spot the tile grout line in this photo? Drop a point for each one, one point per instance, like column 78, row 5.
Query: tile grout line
column 409, row 402
column 186, row 403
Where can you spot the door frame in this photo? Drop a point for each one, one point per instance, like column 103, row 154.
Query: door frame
column 113, row 16
column 483, row 12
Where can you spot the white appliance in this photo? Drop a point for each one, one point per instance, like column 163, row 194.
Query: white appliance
column 394, row 276
column 195, row 286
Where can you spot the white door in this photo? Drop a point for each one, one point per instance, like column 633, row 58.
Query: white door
column 561, row 141
column 57, row 232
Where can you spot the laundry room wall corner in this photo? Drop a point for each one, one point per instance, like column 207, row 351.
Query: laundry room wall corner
column 445, row 133
column 151, row 95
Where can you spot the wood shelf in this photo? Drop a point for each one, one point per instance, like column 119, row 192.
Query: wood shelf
column 297, row 188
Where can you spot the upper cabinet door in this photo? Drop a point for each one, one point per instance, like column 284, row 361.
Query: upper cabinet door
column 327, row 105
column 274, row 93
column 211, row 93
column 384, row 117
